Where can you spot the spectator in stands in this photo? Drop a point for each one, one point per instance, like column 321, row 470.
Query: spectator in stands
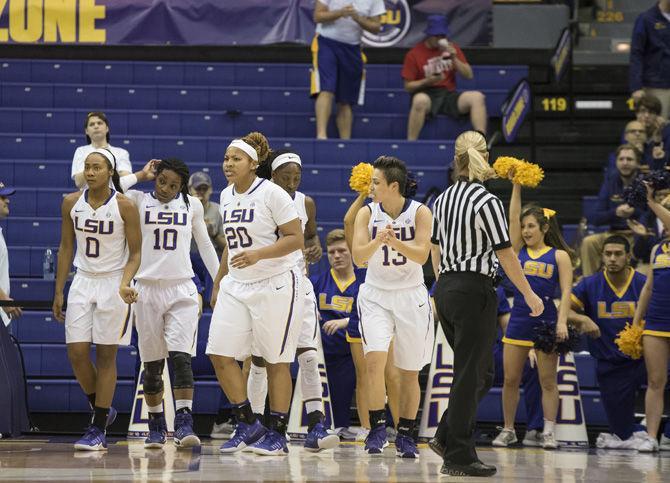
column 634, row 134
column 338, row 60
column 7, row 312
column 96, row 129
column 200, row 186
column 602, row 305
column 429, row 72
column 336, row 291
column 648, row 112
column 611, row 209
column 649, row 59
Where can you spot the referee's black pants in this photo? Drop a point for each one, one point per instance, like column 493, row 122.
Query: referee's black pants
column 466, row 303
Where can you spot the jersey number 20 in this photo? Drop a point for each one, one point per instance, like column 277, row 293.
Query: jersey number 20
column 237, row 237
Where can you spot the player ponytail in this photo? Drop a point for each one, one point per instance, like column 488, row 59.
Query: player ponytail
column 260, row 143
column 179, row 167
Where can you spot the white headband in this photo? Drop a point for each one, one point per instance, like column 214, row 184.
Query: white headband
column 107, row 154
column 286, row 158
column 244, row 146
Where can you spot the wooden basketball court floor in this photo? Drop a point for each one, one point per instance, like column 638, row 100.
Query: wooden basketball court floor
column 54, row 459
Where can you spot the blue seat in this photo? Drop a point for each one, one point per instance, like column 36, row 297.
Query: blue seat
column 39, row 327
column 90, row 97
column 340, row 152
column 570, row 233
column 494, row 77
column 268, row 123
column 42, row 173
column 209, row 74
column 32, row 289
column 50, row 360
column 206, row 397
column 186, row 149
column 216, row 148
column 304, row 147
column 24, row 202
column 586, row 370
column 33, row 231
column 49, row 201
column 386, row 100
column 332, row 206
column 131, row 97
column 594, row 411
column 428, row 177
column 316, row 178
column 23, row 146
column 154, row 123
column 206, row 124
column 214, row 170
column 11, row 120
column 19, row 258
column 49, row 121
column 284, row 99
column 22, row 95
column 155, row 73
column 183, row 98
column 270, row 75
column 298, row 75
column 234, row 99
column 107, row 72
column 140, row 148
column 7, row 170
column 15, row 70
column 65, row 395
column 60, row 146
column 56, row 71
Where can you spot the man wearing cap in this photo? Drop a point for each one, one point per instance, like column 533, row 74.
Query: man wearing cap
column 6, row 313
column 429, row 71
column 200, row 186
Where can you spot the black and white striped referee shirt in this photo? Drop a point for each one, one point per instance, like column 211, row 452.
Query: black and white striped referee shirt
column 469, row 224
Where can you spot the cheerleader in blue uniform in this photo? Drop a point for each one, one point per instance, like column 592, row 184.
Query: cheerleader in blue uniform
column 654, row 307
column 546, row 262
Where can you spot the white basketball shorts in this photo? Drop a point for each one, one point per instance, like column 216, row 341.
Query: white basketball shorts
column 166, row 318
column 96, row 312
column 265, row 315
column 402, row 315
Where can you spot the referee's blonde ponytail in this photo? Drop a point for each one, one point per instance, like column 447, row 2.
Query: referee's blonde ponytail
column 471, row 154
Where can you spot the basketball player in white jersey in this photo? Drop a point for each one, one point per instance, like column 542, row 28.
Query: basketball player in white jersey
column 392, row 234
column 105, row 226
column 285, row 170
column 166, row 313
column 258, row 302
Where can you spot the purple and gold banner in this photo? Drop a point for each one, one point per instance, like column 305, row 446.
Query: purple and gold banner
column 221, row 22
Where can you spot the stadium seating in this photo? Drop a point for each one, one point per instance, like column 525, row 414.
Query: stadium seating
column 191, row 111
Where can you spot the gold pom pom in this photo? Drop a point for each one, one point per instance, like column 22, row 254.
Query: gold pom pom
column 519, row 171
column 629, row 341
column 361, row 177
column 505, row 166
column 528, row 174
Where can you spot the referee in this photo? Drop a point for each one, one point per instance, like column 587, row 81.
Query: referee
column 470, row 236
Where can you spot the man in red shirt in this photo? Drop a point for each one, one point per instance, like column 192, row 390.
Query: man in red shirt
column 429, row 72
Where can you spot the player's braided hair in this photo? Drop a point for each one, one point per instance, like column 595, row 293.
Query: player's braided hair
column 179, row 167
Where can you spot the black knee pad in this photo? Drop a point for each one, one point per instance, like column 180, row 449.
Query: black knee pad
column 183, row 374
column 153, row 377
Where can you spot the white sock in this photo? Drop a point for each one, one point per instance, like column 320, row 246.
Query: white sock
column 310, row 380
column 183, row 403
column 155, row 409
column 548, row 426
column 257, row 388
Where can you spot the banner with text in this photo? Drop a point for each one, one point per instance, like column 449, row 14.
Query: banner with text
column 222, row 22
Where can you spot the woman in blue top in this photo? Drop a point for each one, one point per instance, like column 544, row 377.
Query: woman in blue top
column 546, row 262
column 654, row 305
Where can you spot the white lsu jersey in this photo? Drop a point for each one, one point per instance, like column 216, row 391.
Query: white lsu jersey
column 167, row 229
column 100, row 235
column 387, row 268
column 251, row 221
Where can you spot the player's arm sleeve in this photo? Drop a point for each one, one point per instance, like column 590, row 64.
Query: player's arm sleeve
column 281, row 206
column 202, row 239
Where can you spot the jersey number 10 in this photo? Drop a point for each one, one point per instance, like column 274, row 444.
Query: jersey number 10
column 169, row 239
